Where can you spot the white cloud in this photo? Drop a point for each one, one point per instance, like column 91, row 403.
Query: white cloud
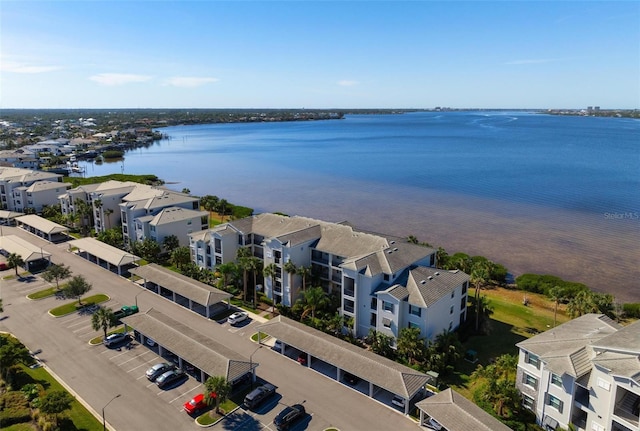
column 347, row 83
column 113, row 79
column 10, row 66
column 189, row 81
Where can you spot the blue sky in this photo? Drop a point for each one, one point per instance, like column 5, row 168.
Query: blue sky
column 319, row 54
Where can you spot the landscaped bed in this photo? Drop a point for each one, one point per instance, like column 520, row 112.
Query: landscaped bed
column 72, row 307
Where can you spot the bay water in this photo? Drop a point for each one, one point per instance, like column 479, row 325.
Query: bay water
column 537, row 193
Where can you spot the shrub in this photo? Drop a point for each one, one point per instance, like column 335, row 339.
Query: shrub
column 537, row 283
column 631, row 309
column 14, row 409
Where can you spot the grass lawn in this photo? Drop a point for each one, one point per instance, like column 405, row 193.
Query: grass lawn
column 72, row 307
column 43, row 293
column 510, row 323
column 80, row 416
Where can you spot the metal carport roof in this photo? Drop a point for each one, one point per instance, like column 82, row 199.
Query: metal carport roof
column 27, row 251
column 104, row 251
column 382, row 372
column 196, row 348
column 188, row 287
column 41, row 224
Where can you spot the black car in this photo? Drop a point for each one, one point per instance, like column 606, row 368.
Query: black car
column 169, row 377
column 288, row 416
column 258, row 395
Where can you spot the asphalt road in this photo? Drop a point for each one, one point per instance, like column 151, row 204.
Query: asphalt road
column 97, row 374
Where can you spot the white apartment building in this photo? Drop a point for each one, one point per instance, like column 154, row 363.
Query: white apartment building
column 171, row 221
column 585, row 372
column 356, row 265
column 37, row 195
column 144, row 201
column 12, row 178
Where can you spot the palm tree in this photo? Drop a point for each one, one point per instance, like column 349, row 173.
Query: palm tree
column 181, row 256
column 313, row 299
column 410, row 345
column 291, row 269
column 242, row 256
column 103, row 318
column 255, row 265
column 271, row 271
column 222, row 208
column 478, row 277
column 15, row 261
column 217, row 389
column 556, row 294
column 226, row 269
column 304, row 272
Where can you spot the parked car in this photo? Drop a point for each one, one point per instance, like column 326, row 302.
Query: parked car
column 351, row 379
column 277, row 346
column 288, row 416
column 237, row 317
column 197, row 403
column 150, row 342
column 258, row 395
column 158, row 369
column 302, row 358
column 170, row 377
column 3, row 266
column 125, row 310
column 434, row 425
column 397, row 400
column 116, row 338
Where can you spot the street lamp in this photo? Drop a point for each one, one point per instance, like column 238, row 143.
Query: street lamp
column 104, row 421
column 251, row 364
column 136, row 297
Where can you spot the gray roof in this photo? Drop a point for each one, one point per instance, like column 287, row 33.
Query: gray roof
column 47, row 185
column 173, row 214
column 428, row 285
column 625, row 340
column 198, row 349
column 104, row 251
column 188, row 287
column 620, row 352
column 563, row 347
column 27, row 251
column 456, row 413
column 41, row 224
column 385, row 373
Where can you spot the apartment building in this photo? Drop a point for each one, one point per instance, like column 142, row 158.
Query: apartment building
column 585, row 372
column 13, row 178
column 176, row 221
column 359, row 267
column 146, row 201
column 37, row 195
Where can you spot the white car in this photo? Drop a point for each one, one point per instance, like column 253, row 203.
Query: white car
column 398, row 401
column 237, row 317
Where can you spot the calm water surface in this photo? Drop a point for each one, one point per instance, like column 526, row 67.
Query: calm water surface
column 538, row 193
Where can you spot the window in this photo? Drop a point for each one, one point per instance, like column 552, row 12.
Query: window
column 415, row 310
column 386, row 322
column 530, row 380
column 348, row 305
column 413, row 325
column 387, row 306
column 451, row 310
column 386, row 277
column 373, row 319
column 453, row 293
column 604, row 384
column 374, row 303
column 532, row 359
column 555, row 402
column 464, row 287
column 596, row 427
column 528, row 402
column 556, row 380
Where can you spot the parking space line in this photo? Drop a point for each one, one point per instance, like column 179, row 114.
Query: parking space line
column 131, row 359
column 81, row 329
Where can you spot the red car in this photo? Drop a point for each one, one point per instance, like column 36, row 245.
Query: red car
column 196, row 404
column 3, row 266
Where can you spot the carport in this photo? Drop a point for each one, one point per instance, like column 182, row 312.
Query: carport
column 46, row 229
column 454, row 412
column 380, row 372
column 192, row 294
column 207, row 355
column 8, row 218
column 33, row 256
column 105, row 255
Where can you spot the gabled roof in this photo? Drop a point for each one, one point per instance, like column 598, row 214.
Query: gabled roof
column 47, row 185
column 428, row 285
column 174, row 214
column 27, row 251
column 42, row 224
column 188, row 287
column 198, row 349
column 564, row 348
column 201, row 235
column 456, row 413
column 376, row 369
column 104, row 251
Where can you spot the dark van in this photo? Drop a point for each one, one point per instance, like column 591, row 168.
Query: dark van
column 258, row 395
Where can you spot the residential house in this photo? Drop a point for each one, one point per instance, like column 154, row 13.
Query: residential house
column 354, row 265
column 585, row 372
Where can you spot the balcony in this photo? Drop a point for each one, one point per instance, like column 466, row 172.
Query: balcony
column 629, row 408
column 349, row 292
